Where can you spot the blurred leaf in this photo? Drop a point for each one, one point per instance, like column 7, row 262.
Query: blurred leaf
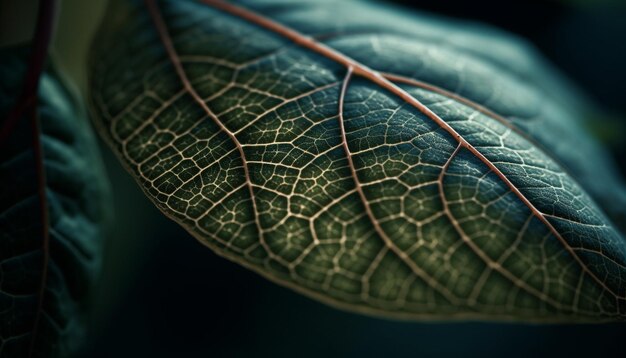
column 50, row 237
column 392, row 164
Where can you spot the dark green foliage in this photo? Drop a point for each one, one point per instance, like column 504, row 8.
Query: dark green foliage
column 465, row 186
column 48, row 258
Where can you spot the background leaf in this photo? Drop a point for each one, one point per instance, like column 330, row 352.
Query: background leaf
column 48, row 259
column 242, row 145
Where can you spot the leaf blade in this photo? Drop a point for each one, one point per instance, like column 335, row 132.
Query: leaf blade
column 279, row 231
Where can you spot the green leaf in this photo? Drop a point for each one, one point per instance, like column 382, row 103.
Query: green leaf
column 50, row 236
column 387, row 163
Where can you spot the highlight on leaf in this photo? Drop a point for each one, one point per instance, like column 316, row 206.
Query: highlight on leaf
column 391, row 164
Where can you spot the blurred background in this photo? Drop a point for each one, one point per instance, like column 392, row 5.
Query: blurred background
column 164, row 295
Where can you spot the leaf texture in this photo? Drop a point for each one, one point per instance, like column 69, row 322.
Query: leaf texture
column 384, row 163
column 50, row 237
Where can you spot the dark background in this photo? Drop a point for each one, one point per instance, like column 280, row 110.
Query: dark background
column 165, row 295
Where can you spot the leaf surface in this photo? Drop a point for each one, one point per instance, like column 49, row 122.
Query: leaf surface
column 51, row 206
column 384, row 163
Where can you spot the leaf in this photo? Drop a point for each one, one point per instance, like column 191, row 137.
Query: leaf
column 386, row 163
column 50, row 236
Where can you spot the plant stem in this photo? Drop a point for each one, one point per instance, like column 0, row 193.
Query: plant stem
column 46, row 19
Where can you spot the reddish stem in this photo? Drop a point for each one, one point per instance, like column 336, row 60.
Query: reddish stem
column 46, row 18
